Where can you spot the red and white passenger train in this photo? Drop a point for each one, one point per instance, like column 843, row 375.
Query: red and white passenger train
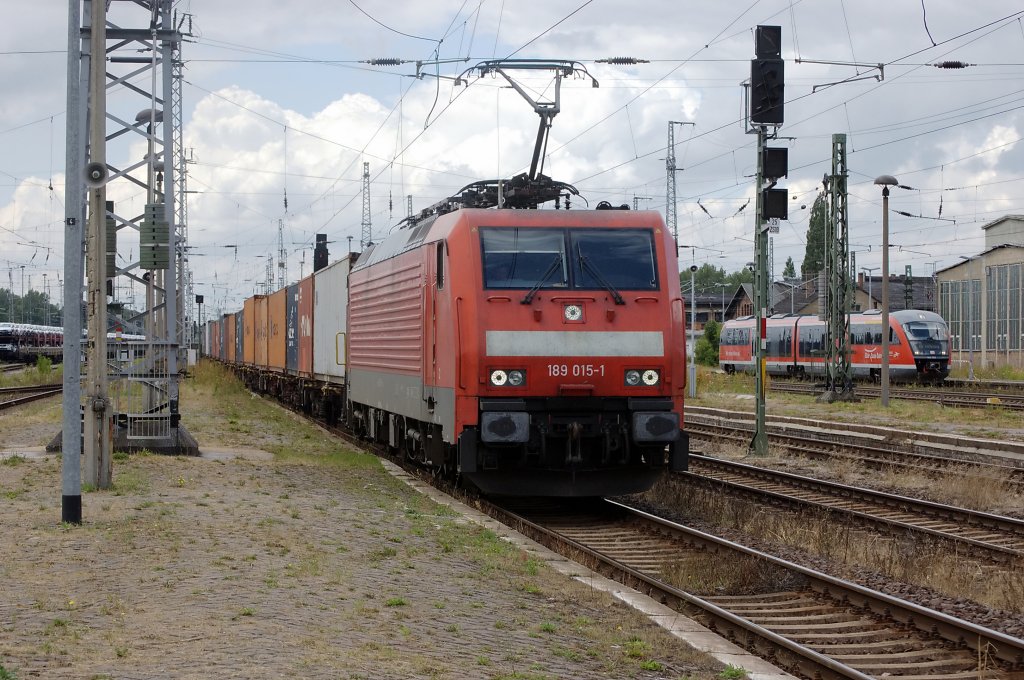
column 533, row 352
column 919, row 349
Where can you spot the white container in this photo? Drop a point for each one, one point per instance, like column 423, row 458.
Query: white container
column 330, row 314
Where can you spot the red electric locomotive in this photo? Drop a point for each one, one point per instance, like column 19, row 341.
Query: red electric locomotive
column 918, row 345
column 537, row 352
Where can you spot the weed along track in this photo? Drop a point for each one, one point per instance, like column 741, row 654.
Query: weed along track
column 958, row 398
column 984, row 535
column 809, row 623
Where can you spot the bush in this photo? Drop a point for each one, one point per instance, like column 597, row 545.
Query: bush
column 706, row 349
column 43, row 366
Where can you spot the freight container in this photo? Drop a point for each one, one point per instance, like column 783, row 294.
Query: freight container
column 330, row 310
column 277, row 330
column 221, row 340
column 214, row 341
column 249, row 341
column 291, row 315
column 240, row 336
column 228, row 338
column 305, row 326
column 260, row 329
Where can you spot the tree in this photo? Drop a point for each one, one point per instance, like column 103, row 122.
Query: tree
column 814, row 254
column 706, row 349
column 789, row 271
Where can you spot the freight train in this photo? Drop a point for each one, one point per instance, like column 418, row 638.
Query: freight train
column 530, row 352
column 919, row 345
column 24, row 343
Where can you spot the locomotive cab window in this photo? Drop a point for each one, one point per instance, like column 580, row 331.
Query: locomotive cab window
column 623, row 258
column 523, row 258
column 585, row 259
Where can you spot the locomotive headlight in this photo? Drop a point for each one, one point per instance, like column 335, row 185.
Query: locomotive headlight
column 632, row 377
column 511, row 378
column 650, row 377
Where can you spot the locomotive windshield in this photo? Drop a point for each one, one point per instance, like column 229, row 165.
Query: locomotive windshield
column 927, row 337
column 583, row 259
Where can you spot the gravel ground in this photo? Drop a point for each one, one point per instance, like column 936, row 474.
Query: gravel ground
column 284, row 565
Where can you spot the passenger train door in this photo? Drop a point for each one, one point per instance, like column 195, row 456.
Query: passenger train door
column 434, row 282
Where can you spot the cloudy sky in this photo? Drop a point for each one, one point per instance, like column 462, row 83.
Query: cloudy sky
column 278, row 104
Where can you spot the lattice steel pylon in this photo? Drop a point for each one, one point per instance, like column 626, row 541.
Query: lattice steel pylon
column 364, row 239
column 671, row 218
column 187, row 321
column 838, row 279
column 142, row 59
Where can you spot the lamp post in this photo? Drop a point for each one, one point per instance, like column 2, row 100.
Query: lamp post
column 869, row 270
column 885, row 181
column 723, row 286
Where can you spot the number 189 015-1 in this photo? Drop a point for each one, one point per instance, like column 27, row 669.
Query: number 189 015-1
column 576, row 370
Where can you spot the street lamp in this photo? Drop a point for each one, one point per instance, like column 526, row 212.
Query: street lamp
column 869, row 270
column 792, row 295
column 723, row 286
column 885, row 181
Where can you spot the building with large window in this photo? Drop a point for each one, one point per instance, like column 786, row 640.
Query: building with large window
column 981, row 298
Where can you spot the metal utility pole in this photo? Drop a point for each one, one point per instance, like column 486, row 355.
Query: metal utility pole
column 71, row 294
column 885, row 181
column 143, row 50
column 671, row 219
column 97, row 425
column 839, row 372
column 766, row 109
column 759, row 443
column 364, row 240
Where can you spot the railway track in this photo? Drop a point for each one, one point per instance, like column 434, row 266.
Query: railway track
column 17, row 396
column 987, row 536
column 873, row 447
column 809, row 623
column 946, row 397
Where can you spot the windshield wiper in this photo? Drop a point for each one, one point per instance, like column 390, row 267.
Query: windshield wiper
column 585, row 264
column 528, row 298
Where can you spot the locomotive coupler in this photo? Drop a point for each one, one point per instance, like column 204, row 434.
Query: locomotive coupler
column 573, row 444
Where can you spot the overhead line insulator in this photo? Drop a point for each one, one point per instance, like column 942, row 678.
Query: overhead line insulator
column 623, row 61
column 952, row 64
column 385, row 61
